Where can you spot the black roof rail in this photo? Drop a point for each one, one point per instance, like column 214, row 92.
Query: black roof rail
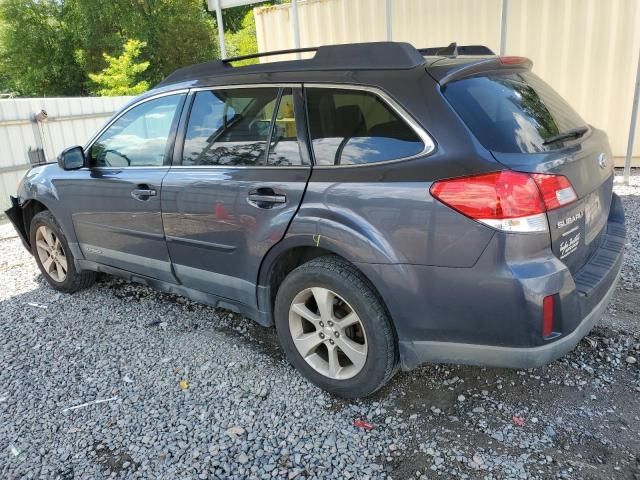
column 454, row 49
column 352, row 56
column 269, row 54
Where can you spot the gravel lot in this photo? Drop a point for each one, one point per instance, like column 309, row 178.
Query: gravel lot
column 188, row 391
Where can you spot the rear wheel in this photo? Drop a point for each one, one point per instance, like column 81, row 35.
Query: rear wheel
column 53, row 256
column 335, row 329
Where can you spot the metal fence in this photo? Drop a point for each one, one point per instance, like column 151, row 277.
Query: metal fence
column 28, row 136
column 586, row 49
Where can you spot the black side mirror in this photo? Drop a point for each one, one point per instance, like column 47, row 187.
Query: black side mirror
column 71, row 158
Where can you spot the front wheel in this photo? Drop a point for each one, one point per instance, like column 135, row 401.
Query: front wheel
column 53, row 255
column 334, row 328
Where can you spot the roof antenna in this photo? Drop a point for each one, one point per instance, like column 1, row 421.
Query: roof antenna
column 451, row 50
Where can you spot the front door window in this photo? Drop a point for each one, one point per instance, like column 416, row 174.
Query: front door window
column 139, row 137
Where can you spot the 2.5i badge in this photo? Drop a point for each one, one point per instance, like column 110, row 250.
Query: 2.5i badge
column 570, row 245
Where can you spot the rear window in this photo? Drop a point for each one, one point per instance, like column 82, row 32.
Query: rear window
column 512, row 113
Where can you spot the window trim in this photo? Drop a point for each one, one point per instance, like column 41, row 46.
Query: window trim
column 170, row 139
column 305, row 138
column 427, row 140
column 272, row 125
column 182, row 128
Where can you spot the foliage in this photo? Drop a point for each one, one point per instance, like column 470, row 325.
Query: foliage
column 177, row 32
column 240, row 28
column 233, row 18
column 120, row 74
column 244, row 41
column 36, row 49
column 48, row 47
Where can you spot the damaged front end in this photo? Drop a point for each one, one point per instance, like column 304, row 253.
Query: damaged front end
column 15, row 215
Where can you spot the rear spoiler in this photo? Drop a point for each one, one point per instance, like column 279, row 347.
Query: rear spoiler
column 454, row 49
column 447, row 71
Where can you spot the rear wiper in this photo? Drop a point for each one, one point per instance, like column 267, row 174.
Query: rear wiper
column 573, row 133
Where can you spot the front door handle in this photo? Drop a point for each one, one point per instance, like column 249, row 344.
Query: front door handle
column 255, row 197
column 143, row 194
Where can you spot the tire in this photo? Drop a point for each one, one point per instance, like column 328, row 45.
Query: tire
column 298, row 320
column 68, row 281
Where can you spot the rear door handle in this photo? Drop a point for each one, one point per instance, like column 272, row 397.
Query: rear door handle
column 266, row 198
column 143, row 194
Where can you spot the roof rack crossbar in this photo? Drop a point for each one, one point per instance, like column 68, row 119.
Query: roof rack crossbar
column 269, row 54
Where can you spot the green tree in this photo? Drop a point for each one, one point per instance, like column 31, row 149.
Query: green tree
column 244, row 40
column 48, row 47
column 240, row 31
column 177, row 32
column 36, row 49
column 120, row 75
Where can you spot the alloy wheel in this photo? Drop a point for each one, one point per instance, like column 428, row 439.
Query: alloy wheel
column 328, row 333
column 51, row 254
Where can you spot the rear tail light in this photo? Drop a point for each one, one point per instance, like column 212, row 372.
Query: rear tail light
column 547, row 316
column 556, row 190
column 506, row 200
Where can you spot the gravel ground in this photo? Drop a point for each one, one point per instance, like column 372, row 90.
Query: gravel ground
column 123, row 381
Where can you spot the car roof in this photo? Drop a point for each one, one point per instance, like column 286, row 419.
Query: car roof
column 334, row 63
column 354, row 56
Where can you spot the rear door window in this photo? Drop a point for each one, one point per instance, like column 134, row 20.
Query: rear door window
column 512, row 113
column 351, row 127
column 229, row 127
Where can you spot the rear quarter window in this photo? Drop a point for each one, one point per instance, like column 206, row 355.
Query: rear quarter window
column 512, row 113
column 350, row 127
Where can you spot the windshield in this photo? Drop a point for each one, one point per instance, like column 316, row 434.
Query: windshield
column 513, row 113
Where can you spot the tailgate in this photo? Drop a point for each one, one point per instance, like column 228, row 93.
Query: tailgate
column 576, row 229
column 529, row 128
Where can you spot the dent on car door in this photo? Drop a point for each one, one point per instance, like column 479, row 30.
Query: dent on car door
column 238, row 181
column 115, row 202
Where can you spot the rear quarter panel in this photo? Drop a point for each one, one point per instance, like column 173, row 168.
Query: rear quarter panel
column 387, row 222
column 384, row 213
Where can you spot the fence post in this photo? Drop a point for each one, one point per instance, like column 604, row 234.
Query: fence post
column 632, row 125
column 295, row 24
column 503, row 26
column 389, row 21
column 39, row 119
column 223, row 47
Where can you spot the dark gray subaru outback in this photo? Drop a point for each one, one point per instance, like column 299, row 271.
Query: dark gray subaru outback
column 380, row 205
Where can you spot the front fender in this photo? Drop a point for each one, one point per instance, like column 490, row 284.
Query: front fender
column 39, row 185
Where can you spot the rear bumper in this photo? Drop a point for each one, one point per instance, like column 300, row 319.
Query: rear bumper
column 491, row 314
column 419, row 352
column 15, row 216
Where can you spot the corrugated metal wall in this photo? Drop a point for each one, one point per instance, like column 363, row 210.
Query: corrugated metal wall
column 71, row 121
column 586, row 49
